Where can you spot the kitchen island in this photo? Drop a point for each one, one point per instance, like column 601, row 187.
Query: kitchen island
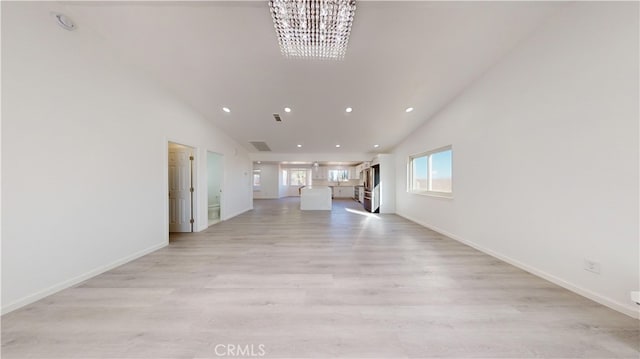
column 315, row 198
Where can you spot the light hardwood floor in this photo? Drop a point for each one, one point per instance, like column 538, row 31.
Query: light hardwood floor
column 317, row 284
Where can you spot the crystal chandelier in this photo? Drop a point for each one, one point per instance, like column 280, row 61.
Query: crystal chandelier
column 313, row 29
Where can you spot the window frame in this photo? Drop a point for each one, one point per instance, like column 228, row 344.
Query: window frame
column 339, row 171
column 306, row 176
column 410, row 174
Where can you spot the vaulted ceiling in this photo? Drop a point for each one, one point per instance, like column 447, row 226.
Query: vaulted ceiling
column 400, row 54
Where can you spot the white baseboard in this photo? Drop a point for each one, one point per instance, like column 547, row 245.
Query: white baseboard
column 204, row 227
column 81, row 278
column 226, row 217
column 608, row 302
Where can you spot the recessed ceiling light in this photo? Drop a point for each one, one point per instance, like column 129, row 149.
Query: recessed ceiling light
column 349, row 109
column 337, row 146
column 64, row 21
column 409, row 109
column 226, row 109
column 287, row 109
column 259, row 162
column 376, row 146
column 299, row 146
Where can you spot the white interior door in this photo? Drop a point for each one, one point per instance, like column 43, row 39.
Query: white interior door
column 180, row 199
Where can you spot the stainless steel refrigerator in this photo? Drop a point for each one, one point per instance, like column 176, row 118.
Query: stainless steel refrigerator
column 372, row 189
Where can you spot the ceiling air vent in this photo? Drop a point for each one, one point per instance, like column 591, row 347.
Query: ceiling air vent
column 277, row 117
column 260, row 146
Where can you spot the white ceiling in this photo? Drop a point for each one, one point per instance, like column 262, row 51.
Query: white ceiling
column 401, row 54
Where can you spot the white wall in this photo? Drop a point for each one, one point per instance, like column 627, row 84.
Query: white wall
column 84, row 157
column 269, row 183
column 545, row 155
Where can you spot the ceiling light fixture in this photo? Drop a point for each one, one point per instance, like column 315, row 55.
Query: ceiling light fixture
column 313, row 29
column 226, row 109
column 409, row 109
column 376, row 146
column 64, row 21
column 349, row 109
column 299, row 146
column 337, row 146
column 287, row 109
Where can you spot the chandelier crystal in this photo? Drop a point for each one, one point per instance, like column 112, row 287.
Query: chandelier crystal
column 313, row 29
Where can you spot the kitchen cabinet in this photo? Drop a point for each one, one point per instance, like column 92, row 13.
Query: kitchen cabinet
column 319, row 173
column 342, row 191
column 354, row 173
column 359, row 168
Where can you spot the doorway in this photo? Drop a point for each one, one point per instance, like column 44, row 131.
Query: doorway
column 181, row 188
column 215, row 166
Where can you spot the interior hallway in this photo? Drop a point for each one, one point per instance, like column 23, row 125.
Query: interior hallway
column 317, row 284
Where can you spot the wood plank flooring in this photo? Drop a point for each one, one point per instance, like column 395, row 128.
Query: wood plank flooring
column 317, row 285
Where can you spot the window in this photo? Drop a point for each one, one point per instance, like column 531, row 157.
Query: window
column 430, row 172
column 284, row 177
column 298, row 177
column 338, row 175
column 256, row 178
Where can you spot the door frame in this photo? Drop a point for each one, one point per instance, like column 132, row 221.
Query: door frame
column 165, row 194
column 222, row 193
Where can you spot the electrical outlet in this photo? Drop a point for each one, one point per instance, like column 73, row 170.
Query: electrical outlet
column 592, row 266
